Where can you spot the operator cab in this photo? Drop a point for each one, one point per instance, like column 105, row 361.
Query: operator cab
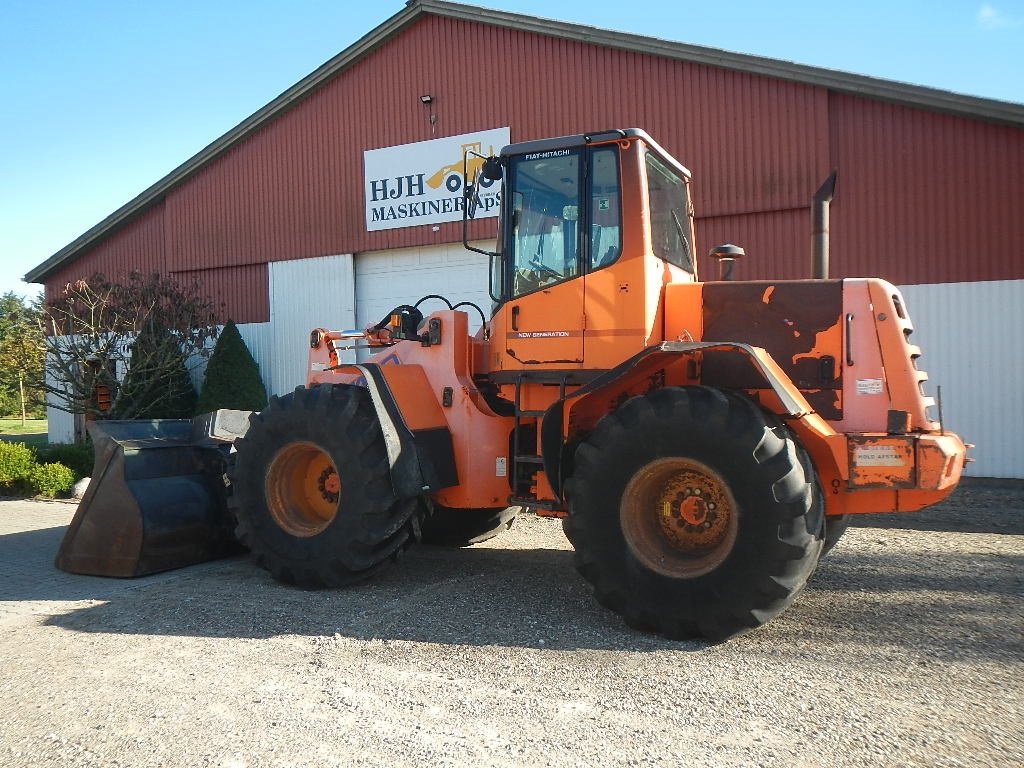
column 592, row 226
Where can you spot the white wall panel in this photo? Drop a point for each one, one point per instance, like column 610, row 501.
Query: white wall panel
column 385, row 279
column 304, row 294
column 60, row 425
column 258, row 337
column 972, row 339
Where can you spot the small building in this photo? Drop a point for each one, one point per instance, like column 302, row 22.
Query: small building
column 340, row 198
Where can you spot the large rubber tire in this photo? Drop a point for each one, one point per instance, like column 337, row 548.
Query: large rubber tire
column 447, row 527
column 835, row 527
column 692, row 513
column 311, row 489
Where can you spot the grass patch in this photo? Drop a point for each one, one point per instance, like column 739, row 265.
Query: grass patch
column 32, row 433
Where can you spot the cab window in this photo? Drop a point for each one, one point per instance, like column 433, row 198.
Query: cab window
column 545, row 220
column 669, row 206
column 605, row 210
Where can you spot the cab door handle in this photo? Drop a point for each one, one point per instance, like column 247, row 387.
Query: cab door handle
column 515, row 318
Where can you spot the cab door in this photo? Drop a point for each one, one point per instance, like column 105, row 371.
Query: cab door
column 543, row 316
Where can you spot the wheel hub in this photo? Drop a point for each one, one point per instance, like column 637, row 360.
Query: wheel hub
column 694, row 510
column 679, row 517
column 329, row 484
column 302, row 489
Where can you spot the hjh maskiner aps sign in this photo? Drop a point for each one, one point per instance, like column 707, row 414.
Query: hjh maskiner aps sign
column 415, row 184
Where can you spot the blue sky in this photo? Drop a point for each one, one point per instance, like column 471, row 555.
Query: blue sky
column 101, row 99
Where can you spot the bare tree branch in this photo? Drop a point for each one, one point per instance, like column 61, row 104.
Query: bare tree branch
column 102, row 336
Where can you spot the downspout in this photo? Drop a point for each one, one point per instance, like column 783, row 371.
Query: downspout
column 819, row 227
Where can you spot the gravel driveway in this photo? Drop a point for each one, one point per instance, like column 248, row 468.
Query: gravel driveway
column 906, row 649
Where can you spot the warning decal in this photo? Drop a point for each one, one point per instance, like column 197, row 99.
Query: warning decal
column 869, row 387
column 877, row 456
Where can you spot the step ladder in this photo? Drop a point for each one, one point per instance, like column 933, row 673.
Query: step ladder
column 527, row 463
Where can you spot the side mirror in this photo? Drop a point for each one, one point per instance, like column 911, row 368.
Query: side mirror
column 484, row 169
column 492, row 168
column 485, row 174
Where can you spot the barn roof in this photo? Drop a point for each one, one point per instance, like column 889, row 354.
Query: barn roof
column 843, row 82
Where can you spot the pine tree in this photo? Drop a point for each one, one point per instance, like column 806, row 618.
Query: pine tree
column 232, row 377
column 157, row 384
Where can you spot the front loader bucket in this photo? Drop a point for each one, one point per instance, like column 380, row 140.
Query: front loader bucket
column 157, row 498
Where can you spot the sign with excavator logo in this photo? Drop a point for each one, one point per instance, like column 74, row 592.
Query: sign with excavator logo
column 415, row 184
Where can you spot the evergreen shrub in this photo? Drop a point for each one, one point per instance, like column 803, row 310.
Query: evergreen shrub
column 157, row 384
column 232, row 378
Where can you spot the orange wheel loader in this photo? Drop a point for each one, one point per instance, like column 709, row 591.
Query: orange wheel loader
column 704, row 442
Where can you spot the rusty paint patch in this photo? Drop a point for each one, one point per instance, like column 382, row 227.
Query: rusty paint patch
column 797, row 322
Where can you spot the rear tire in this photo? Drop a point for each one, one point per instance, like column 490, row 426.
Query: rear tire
column 311, row 489
column 835, row 527
column 447, row 527
column 692, row 513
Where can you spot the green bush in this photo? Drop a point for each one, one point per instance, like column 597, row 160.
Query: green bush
column 21, row 473
column 232, row 378
column 78, row 457
column 16, row 463
column 50, row 480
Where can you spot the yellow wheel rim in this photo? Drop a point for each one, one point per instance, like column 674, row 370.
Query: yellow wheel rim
column 302, row 489
column 679, row 517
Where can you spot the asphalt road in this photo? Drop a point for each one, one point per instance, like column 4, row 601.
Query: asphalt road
column 905, row 649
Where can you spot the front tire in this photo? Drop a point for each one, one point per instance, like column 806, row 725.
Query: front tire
column 692, row 513
column 311, row 489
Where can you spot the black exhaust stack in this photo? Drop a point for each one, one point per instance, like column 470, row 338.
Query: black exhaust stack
column 726, row 256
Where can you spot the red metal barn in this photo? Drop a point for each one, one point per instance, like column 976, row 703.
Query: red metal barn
column 278, row 217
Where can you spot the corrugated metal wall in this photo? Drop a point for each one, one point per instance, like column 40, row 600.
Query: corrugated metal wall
column 295, row 188
column 137, row 245
column 141, row 246
column 247, row 286
column 970, row 334
column 921, row 197
column 60, row 424
column 305, row 294
column 925, row 197
column 777, row 244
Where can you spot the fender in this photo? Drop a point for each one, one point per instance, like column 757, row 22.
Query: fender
column 421, row 456
column 579, row 412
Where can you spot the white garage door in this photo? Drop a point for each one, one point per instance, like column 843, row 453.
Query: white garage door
column 385, row 279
